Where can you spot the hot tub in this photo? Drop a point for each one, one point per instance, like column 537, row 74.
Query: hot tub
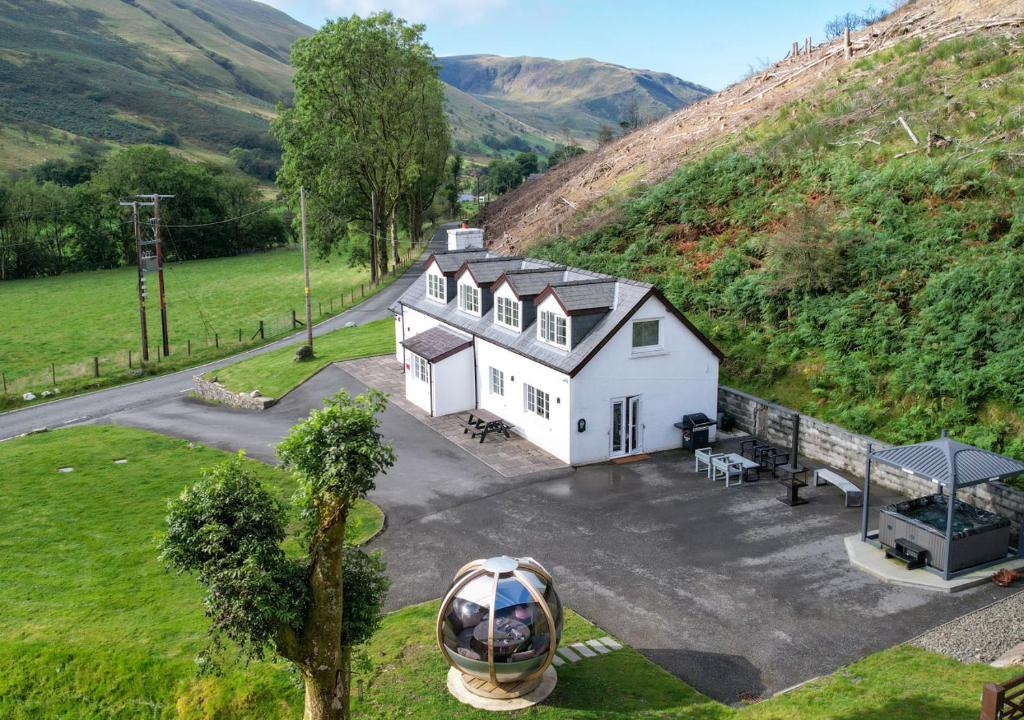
column 979, row 536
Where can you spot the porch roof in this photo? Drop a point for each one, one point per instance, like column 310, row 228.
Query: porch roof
column 437, row 343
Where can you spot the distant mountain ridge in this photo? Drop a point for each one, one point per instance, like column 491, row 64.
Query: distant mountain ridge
column 568, row 97
column 205, row 76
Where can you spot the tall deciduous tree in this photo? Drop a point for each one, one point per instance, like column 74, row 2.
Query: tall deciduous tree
column 368, row 124
column 229, row 530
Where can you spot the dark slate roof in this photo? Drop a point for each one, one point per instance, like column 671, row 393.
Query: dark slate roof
column 529, row 283
column 437, row 343
column 950, row 462
column 583, row 295
column 626, row 297
column 452, row 260
column 487, row 270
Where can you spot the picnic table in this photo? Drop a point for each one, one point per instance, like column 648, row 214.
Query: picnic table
column 482, row 422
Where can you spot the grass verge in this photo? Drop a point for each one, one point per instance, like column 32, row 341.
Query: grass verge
column 902, row 683
column 91, row 624
column 276, row 372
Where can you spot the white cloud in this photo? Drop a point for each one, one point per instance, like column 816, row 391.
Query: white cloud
column 451, row 12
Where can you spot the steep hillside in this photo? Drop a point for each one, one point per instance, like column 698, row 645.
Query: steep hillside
column 479, row 130
column 845, row 268
column 571, row 98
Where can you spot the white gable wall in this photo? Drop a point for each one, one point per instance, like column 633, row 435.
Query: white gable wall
column 505, row 291
column 551, row 434
column 399, row 330
column 416, row 391
column 452, row 379
column 683, row 378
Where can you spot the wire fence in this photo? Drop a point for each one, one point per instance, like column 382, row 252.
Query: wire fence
column 54, row 379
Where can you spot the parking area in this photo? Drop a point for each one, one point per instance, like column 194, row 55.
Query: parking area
column 728, row 588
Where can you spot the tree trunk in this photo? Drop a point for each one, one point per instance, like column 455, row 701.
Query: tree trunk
column 322, row 665
column 382, row 246
column 373, row 236
column 393, row 229
column 346, row 684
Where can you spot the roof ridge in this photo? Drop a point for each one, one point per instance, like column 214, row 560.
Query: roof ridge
column 591, row 281
column 509, row 258
column 523, row 271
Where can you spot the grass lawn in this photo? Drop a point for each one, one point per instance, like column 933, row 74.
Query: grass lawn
column 275, row 373
column 69, row 319
column 91, row 625
column 902, row 683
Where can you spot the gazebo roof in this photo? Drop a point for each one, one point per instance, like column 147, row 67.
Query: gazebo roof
column 950, row 463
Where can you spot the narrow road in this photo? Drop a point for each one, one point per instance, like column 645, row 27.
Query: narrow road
column 154, row 391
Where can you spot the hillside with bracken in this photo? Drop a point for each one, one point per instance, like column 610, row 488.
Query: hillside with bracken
column 848, row 224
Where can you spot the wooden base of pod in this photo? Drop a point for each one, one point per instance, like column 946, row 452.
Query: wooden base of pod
column 485, row 695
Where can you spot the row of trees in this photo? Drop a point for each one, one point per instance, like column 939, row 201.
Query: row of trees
column 367, row 136
column 64, row 215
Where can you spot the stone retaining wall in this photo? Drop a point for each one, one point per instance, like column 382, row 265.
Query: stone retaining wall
column 843, row 450
column 213, row 391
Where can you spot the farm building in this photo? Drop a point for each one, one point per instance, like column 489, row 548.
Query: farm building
column 584, row 365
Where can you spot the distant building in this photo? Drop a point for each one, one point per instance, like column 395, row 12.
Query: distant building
column 465, row 238
column 584, row 365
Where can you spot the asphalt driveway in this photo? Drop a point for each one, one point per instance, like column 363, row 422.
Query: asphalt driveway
column 729, row 589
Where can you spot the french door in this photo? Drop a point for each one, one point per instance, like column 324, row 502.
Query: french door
column 626, row 432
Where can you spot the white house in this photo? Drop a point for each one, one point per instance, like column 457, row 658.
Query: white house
column 586, row 366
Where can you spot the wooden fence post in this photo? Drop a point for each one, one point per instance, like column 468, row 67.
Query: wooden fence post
column 239, row 335
column 320, row 307
column 2, row 375
column 95, row 366
column 262, row 336
column 53, row 374
column 129, row 359
column 190, row 347
column 992, row 701
column 295, row 321
column 216, row 340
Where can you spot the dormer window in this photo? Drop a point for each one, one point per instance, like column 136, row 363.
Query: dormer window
column 436, row 287
column 469, row 298
column 506, row 312
column 553, row 328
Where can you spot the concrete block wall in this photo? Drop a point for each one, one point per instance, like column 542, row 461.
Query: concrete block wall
column 843, row 450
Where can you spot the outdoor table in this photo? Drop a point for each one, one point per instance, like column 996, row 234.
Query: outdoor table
column 724, row 462
column 509, row 634
column 483, row 422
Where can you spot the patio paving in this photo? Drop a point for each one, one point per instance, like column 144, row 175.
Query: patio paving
column 510, row 457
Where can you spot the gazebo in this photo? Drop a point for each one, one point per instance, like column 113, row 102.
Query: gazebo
column 951, row 465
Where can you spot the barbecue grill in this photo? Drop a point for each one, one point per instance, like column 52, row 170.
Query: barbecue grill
column 695, row 428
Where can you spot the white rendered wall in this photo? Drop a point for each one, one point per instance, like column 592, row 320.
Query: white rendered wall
column 399, row 350
column 550, row 304
column 461, row 238
column 679, row 380
column 454, row 389
column 551, row 434
column 416, row 391
column 416, row 322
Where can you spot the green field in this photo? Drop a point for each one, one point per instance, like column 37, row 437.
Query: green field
column 276, row 372
column 69, row 319
column 91, row 625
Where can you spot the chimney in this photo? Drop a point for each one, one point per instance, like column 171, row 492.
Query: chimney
column 465, row 225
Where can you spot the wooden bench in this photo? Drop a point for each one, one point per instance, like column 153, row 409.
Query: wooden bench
column 854, row 495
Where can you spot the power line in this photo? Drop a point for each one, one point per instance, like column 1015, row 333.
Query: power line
column 266, row 207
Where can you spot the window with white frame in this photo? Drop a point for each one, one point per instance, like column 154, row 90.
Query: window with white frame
column 469, row 298
column 507, row 311
column 646, row 334
column 552, row 328
column 420, row 368
column 537, row 401
column 497, row 382
column 436, row 287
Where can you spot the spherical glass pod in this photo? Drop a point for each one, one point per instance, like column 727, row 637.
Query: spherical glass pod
column 501, row 620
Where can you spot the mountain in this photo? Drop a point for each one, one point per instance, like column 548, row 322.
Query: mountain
column 205, row 75
column 850, row 232
column 567, row 99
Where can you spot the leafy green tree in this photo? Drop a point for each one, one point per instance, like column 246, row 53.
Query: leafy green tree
column 229, row 531
column 368, row 124
column 528, row 163
column 503, row 175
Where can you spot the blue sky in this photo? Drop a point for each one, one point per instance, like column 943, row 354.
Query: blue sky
column 712, row 42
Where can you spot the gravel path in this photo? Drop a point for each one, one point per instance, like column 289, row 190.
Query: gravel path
column 981, row 636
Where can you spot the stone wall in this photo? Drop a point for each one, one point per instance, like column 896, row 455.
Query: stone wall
column 213, row 391
column 843, row 450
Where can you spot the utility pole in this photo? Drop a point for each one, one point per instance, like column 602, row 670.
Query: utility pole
column 141, row 285
column 160, row 269
column 305, row 268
